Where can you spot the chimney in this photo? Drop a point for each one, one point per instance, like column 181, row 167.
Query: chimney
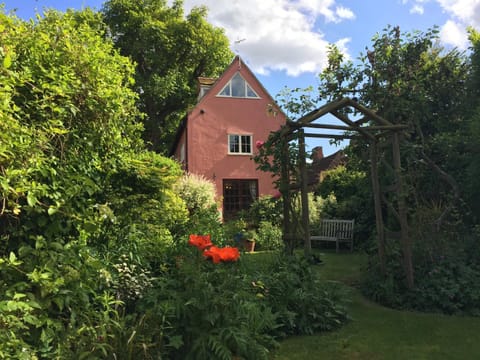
column 204, row 84
column 317, row 153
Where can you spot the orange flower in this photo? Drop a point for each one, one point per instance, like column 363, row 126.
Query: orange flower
column 213, row 252
column 200, row 241
column 222, row 254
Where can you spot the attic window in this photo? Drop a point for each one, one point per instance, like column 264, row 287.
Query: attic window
column 238, row 87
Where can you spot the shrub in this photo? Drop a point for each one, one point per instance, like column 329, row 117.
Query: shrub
column 269, row 237
column 199, row 195
column 446, row 284
column 198, row 192
column 303, row 303
column 266, row 208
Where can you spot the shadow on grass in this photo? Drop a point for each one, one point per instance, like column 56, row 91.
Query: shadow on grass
column 376, row 332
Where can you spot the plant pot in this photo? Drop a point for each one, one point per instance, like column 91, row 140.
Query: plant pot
column 249, row 245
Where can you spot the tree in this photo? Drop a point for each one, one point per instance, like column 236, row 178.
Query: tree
column 472, row 180
column 170, row 51
column 409, row 80
column 67, row 115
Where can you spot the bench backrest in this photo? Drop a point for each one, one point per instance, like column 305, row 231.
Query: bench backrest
column 341, row 229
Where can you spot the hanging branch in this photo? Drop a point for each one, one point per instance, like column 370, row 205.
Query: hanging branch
column 445, row 177
column 450, row 181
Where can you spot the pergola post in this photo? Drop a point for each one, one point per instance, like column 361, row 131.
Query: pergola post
column 304, row 193
column 378, row 207
column 285, row 191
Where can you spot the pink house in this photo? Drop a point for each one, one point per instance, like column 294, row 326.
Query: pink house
column 218, row 136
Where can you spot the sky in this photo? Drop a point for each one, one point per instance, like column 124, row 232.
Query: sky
column 285, row 42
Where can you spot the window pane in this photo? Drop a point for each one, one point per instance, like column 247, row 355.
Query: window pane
column 226, row 91
column 234, row 143
column 246, row 144
column 250, row 92
column 238, row 86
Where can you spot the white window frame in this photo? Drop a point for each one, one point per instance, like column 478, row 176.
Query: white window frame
column 247, row 87
column 240, row 138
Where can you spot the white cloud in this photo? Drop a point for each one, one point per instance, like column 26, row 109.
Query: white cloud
column 463, row 13
column 460, row 13
column 417, row 9
column 466, row 11
column 344, row 13
column 279, row 34
column 454, row 34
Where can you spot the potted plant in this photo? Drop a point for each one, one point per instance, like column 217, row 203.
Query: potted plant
column 249, row 237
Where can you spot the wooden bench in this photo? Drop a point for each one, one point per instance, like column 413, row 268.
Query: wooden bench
column 335, row 230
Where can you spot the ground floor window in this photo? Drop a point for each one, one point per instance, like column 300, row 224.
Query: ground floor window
column 238, row 195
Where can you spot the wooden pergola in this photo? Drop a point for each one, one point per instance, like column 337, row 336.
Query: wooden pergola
column 371, row 128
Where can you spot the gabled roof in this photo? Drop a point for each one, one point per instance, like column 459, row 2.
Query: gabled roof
column 212, row 82
column 240, row 64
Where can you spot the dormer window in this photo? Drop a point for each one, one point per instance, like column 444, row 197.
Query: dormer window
column 238, row 87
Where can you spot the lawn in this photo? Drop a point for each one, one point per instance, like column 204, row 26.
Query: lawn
column 376, row 332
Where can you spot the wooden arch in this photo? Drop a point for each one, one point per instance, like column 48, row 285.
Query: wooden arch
column 371, row 127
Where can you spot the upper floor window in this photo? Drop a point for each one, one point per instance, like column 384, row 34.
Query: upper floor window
column 240, row 144
column 238, row 87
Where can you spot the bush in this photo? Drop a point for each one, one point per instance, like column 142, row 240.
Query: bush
column 269, row 237
column 266, row 208
column 304, row 304
column 448, row 284
column 199, row 194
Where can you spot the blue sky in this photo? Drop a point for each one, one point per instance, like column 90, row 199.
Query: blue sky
column 284, row 41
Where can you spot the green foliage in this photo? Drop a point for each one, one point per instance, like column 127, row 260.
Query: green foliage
column 353, row 194
column 145, row 207
column 304, row 304
column 472, row 179
column 75, row 190
column 54, row 304
column 214, row 313
column 266, row 208
column 446, row 284
column 171, row 49
column 407, row 79
column 269, row 237
column 68, row 114
column 199, row 194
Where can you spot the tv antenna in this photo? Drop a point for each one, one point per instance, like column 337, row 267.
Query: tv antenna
column 236, row 42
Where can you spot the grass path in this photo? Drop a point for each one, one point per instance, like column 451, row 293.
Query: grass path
column 376, row 332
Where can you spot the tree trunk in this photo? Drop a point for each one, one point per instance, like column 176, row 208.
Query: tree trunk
column 402, row 211
column 378, row 208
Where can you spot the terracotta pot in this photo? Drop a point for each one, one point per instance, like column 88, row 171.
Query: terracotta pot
column 249, row 245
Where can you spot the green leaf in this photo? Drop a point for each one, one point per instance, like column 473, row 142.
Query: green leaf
column 176, row 342
column 52, row 210
column 7, row 61
column 31, row 199
column 18, row 296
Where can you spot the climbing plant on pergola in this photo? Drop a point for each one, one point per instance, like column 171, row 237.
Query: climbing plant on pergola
column 370, row 128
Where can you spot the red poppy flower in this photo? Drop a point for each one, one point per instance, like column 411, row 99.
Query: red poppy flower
column 222, row 254
column 230, row 254
column 213, row 253
column 200, row 241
